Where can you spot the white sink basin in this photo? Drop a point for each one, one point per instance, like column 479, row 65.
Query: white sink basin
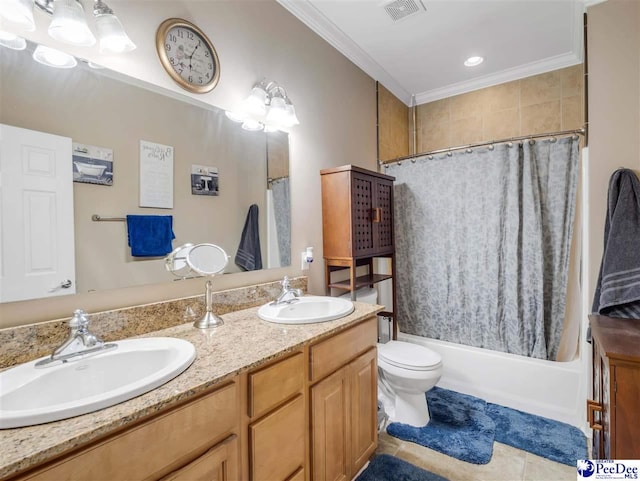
column 307, row 310
column 31, row 395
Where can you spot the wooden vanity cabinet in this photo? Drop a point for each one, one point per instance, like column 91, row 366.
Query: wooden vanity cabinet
column 614, row 411
column 195, row 440
column 344, row 402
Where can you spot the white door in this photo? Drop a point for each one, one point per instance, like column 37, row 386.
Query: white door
column 36, row 215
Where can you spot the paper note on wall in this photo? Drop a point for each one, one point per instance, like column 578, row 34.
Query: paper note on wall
column 156, row 175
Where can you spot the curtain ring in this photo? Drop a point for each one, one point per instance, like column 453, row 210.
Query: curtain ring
column 386, row 166
column 575, row 137
column 413, row 161
column 552, row 139
column 491, row 147
column 430, row 157
column 532, row 142
column 449, row 154
column 399, row 162
column 510, row 144
column 469, row 151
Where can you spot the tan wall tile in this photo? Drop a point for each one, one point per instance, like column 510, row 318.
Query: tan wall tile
column 437, row 111
column 572, row 80
column 466, row 131
column 467, row 105
column 572, row 116
column 540, row 88
column 502, row 97
column 501, row 125
column 435, row 136
column 541, row 118
column 393, row 126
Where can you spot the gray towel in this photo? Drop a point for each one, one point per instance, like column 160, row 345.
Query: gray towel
column 249, row 256
column 618, row 288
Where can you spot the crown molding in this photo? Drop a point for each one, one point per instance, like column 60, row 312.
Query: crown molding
column 591, row 3
column 534, row 68
column 320, row 24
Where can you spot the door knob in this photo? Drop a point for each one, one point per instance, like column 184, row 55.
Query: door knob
column 66, row 284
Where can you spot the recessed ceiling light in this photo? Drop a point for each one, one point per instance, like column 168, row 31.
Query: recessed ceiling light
column 473, row 61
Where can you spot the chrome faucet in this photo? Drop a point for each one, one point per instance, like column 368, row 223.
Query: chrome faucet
column 79, row 343
column 288, row 294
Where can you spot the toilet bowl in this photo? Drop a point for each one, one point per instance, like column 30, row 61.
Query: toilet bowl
column 406, row 371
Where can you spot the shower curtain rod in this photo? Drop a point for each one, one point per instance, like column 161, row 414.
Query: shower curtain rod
column 271, row 180
column 482, row 144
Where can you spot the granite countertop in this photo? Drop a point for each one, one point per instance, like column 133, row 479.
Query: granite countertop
column 243, row 342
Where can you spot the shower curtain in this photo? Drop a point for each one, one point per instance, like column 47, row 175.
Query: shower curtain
column 282, row 209
column 482, row 245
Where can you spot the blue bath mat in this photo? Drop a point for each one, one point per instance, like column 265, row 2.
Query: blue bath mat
column 389, row 468
column 459, row 427
column 545, row 437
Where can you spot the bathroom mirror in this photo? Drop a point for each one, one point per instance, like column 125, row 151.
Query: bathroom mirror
column 207, row 259
column 108, row 110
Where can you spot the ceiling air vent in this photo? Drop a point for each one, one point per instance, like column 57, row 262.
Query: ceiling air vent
column 399, row 9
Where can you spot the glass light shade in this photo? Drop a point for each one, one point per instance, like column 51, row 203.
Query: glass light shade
column 12, row 41
column 19, row 12
column 53, row 58
column 277, row 114
column 271, row 128
column 252, row 125
column 255, row 103
column 235, row 116
column 292, row 118
column 69, row 25
column 111, row 35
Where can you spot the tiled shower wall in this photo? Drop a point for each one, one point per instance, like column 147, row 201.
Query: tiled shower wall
column 543, row 103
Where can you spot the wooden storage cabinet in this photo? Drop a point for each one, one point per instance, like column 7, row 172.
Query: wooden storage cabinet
column 357, row 226
column 614, row 411
column 344, row 407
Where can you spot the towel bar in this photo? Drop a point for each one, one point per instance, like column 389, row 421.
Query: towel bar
column 97, row 218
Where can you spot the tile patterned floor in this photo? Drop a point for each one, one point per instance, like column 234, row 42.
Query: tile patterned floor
column 507, row 463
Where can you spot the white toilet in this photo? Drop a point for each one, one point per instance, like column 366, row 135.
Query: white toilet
column 406, row 371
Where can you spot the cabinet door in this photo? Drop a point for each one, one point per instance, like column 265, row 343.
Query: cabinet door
column 627, row 415
column 220, row 463
column 363, row 377
column 329, row 421
column 383, row 225
column 597, row 445
column 362, row 204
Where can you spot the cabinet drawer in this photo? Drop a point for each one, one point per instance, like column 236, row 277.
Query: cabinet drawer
column 220, row 463
column 276, row 443
column 150, row 449
column 274, row 384
column 332, row 353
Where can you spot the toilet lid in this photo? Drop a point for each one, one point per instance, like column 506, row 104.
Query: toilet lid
column 409, row 355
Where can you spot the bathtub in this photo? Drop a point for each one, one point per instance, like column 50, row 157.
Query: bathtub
column 551, row 389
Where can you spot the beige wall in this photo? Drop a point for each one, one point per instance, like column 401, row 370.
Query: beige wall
column 547, row 102
column 614, row 109
column 335, row 102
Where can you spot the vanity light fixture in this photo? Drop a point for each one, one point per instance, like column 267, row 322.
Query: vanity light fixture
column 473, row 61
column 53, row 58
column 12, row 41
column 69, row 24
column 266, row 108
column 19, row 12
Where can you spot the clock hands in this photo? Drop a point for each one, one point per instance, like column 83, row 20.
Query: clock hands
column 191, row 56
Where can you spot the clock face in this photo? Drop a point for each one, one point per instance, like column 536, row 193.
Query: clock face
column 187, row 55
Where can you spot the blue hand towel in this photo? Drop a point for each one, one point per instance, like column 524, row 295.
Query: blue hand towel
column 150, row 235
column 618, row 287
column 249, row 256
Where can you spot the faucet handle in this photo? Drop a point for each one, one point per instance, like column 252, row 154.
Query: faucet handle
column 79, row 320
column 285, row 283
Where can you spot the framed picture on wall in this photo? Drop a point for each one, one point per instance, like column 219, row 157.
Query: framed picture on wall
column 204, row 180
column 92, row 165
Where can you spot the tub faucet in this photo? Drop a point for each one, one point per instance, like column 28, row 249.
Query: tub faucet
column 288, row 294
column 80, row 341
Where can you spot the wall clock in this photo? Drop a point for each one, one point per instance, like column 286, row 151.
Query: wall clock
column 187, row 55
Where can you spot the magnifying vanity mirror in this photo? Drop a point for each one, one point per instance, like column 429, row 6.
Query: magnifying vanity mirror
column 205, row 260
column 108, row 110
